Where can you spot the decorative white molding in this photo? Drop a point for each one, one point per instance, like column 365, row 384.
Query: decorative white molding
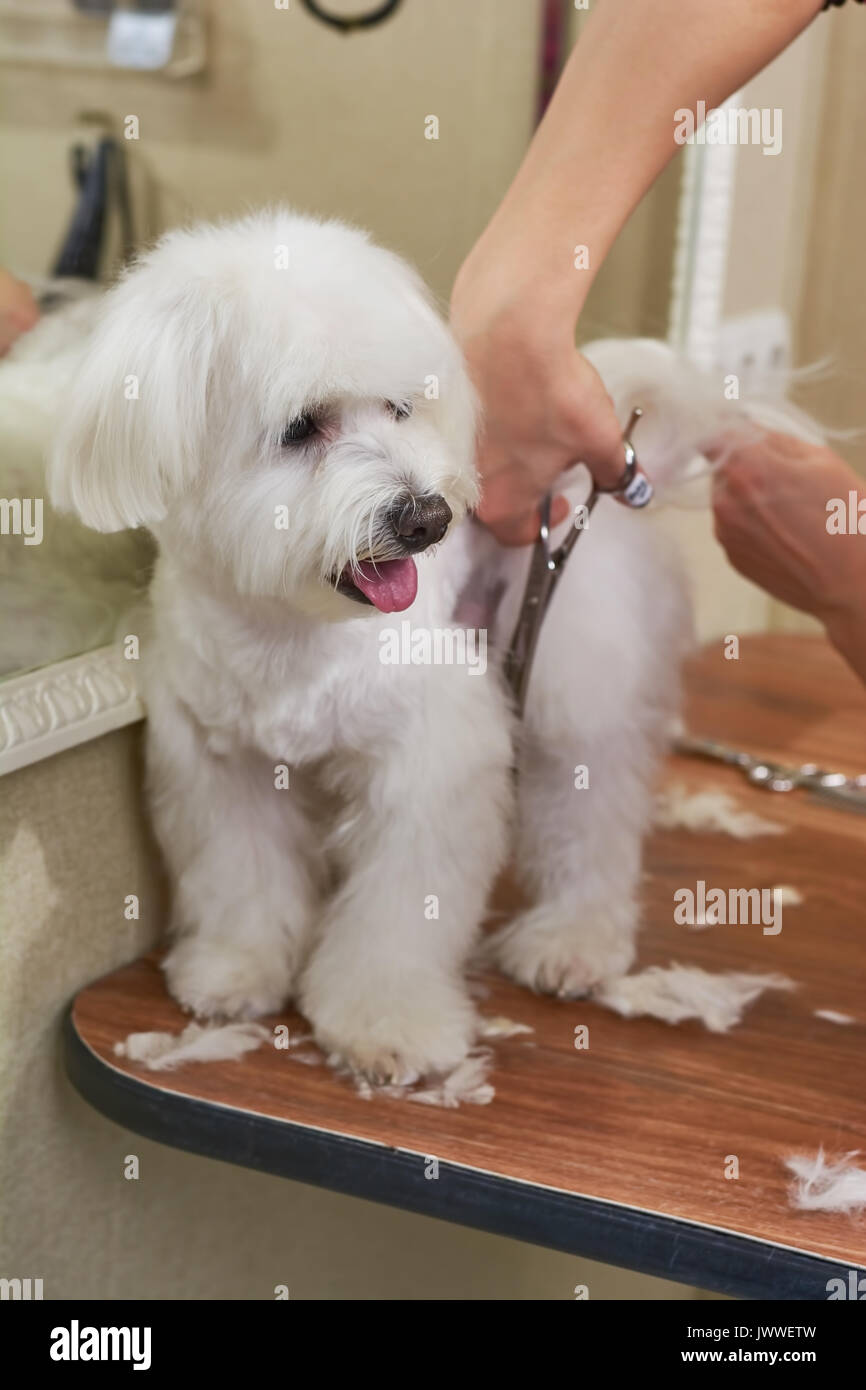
column 49, row 710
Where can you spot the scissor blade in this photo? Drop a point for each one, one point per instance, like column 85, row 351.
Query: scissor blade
column 691, row 746
column 843, row 798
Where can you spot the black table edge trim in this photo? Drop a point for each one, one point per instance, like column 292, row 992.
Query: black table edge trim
column 646, row 1242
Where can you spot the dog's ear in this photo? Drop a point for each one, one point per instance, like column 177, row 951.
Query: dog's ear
column 131, row 430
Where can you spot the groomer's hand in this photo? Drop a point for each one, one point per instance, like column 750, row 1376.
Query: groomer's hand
column 544, row 406
column 770, row 503
column 18, row 310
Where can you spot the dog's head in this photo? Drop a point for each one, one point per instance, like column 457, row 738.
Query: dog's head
column 279, row 402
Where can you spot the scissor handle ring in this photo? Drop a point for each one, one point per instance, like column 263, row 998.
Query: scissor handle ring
column 627, row 478
column 629, row 471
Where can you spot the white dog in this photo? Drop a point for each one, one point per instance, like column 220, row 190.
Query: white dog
column 278, row 402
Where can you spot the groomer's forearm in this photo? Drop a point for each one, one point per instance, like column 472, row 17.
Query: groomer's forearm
column 609, row 129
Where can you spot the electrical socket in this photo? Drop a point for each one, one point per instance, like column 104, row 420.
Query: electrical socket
column 756, row 348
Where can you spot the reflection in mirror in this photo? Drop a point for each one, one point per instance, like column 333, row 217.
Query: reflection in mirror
column 64, row 588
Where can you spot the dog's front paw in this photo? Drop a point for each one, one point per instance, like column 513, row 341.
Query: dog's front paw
column 555, row 951
column 226, row 979
column 390, row 1030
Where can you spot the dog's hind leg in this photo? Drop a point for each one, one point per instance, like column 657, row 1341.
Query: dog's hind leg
column 243, row 866
column 603, row 691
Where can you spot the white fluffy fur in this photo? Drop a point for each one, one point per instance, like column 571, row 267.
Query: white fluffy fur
column 823, row 1185
column 197, row 1043
column 709, row 809
column 674, row 993
column 401, row 780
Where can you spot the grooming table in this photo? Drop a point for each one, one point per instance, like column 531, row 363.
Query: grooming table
column 617, row 1152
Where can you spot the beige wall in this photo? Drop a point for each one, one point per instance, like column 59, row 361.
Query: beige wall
column 289, row 109
column 832, row 307
column 798, row 219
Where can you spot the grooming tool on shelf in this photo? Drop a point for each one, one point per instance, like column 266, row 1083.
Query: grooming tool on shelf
column 546, row 567
column 99, row 175
column 834, row 788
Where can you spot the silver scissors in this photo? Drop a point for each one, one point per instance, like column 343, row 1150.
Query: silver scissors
column 546, row 567
column 834, row 788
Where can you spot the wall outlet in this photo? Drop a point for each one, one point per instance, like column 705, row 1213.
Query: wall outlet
column 756, row 348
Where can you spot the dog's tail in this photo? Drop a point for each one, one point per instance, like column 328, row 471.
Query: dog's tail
column 689, row 416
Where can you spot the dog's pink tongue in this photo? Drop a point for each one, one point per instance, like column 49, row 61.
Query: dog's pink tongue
column 390, row 584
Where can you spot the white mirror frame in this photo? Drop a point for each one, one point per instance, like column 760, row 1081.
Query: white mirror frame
column 46, row 711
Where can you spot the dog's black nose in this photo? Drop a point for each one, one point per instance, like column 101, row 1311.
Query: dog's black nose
column 421, row 522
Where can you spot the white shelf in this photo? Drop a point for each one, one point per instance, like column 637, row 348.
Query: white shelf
column 53, row 33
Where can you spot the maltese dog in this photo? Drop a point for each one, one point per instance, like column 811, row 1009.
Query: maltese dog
column 330, row 761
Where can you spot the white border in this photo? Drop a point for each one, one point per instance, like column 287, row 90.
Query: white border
column 59, row 706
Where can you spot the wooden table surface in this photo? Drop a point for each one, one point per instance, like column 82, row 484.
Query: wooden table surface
column 618, row 1151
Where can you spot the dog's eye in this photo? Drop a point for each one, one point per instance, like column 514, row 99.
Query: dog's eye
column 401, row 410
column 296, row 430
